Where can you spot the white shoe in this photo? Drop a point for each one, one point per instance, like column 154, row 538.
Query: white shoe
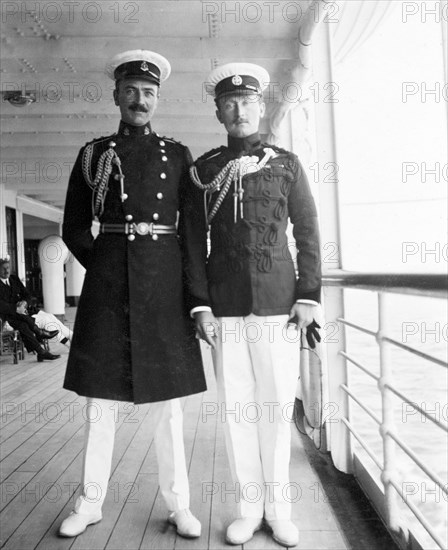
column 76, row 523
column 186, row 524
column 242, row 530
column 284, row 532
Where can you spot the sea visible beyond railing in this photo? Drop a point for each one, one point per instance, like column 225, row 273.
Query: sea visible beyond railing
column 395, row 332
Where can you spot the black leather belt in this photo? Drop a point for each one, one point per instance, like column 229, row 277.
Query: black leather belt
column 142, row 228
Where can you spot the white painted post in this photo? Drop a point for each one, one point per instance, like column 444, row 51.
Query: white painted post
column 52, row 254
column 75, row 278
column 21, row 271
column 388, row 422
column 338, row 436
column 3, row 242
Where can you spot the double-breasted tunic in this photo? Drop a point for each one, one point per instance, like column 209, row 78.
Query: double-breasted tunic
column 250, row 268
column 133, row 339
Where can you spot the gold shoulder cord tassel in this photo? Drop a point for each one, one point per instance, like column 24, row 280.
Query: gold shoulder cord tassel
column 233, row 171
column 103, row 172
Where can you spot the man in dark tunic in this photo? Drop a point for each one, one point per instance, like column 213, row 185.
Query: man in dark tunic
column 133, row 340
column 251, row 191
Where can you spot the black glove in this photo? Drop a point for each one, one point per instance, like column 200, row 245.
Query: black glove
column 312, row 335
column 311, row 331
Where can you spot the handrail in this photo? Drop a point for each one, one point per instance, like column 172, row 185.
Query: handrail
column 367, row 409
column 362, row 442
column 415, row 406
column 416, row 352
column 423, row 521
column 417, row 284
column 358, row 364
column 428, row 285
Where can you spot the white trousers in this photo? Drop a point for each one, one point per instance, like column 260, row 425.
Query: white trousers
column 48, row 321
column 257, row 367
column 98, row 449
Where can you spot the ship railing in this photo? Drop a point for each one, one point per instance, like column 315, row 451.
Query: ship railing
column 341, row 431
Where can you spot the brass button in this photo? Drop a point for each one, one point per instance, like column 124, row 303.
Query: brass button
column 131, row 238
column 155, row 217
column 160, row 196
column 129, row 218
column 164, row 158
column 163, row 175
column 162, row 143
column 112, row 144
column 155, row 237
column 162, row 151
column 124, row 196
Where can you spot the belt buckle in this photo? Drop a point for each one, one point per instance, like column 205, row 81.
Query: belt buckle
column 144, row 228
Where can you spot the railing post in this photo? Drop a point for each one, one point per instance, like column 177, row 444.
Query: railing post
column 336, row 403
column 339, row 438
column 388, row 423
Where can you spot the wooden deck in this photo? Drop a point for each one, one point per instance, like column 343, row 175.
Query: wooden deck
column 42, row 440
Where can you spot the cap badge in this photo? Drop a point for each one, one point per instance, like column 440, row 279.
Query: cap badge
column 237, row 80
column 144, row 66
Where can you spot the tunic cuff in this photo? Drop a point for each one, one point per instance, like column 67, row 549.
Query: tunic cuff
column 198, row 309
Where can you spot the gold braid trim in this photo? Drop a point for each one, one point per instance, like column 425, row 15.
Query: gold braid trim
column 103, row 171
column 233, row 171
column 226, row 175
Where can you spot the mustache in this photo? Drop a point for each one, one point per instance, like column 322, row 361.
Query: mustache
column 239, row 120
column 138, row 108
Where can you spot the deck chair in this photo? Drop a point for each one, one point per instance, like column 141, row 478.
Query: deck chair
column 11, row 343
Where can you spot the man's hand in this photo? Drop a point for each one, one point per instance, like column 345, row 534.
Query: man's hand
column 303, row 316
column 22, row 308
column 207, row 327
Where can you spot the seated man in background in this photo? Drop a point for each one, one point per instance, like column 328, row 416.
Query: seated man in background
column 46, row 321
column 12, row 291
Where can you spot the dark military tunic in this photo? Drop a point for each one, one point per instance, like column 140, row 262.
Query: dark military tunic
column 250, row 268
column 133, row 339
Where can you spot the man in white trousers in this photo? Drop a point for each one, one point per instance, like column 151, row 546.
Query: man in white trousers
column 247, row 288
column 133, row 339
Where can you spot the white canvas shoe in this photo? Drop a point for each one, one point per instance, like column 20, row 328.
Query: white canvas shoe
column 186, row 524
column 242, row 530
column 284, row 532
column 75, row 523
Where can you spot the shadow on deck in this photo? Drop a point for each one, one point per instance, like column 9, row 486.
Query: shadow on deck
column 42, row 440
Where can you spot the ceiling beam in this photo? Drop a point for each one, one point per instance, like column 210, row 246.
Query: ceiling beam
column 63, row 131
column 74, row 48
column 37, row 153
column 16, row 129
column 75, row 140
column 82, row 108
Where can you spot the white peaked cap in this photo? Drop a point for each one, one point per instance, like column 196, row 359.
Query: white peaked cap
column 139, row 63
column 237, row 77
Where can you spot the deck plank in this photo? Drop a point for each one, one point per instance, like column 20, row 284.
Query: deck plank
column 16, row 391
column 129, row 452
column 32, row 526
column 42, row 460
column 44, row 413
column 200, row 469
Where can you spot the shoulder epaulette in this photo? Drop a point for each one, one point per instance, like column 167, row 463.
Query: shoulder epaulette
column 211, row 154
column 171, row 140
column 98, row 140
column 278, row 149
